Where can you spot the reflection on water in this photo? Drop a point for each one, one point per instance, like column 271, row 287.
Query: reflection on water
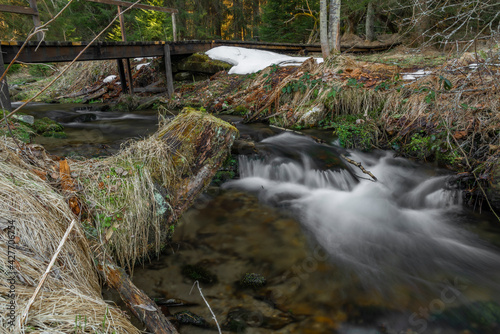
column 90, row 131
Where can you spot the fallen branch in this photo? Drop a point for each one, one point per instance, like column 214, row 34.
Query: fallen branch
column 360, row 166
column 137, row 301
column 208, row 305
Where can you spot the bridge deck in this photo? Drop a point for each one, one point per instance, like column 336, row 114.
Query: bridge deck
column 66, row 51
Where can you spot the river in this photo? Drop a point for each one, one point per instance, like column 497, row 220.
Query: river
column 340, row 252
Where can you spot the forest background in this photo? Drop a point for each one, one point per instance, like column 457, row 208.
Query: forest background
column 294, row 21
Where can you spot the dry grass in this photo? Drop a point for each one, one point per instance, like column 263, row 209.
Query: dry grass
column 305, row 95
column 41, row 217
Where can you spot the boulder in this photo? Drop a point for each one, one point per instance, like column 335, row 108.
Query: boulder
column 201, row 63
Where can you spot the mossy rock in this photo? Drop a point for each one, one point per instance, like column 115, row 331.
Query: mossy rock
column 198, row 273
column 252, row 280
column 201, row 63
column 47, row 125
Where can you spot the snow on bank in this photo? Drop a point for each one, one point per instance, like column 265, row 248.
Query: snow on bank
column 415, row 75
column 109, row 79
column 246, row 61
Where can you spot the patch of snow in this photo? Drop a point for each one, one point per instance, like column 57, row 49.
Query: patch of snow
column 138, row 59
column 246, row 61
column 138, row 67
column 110, row 78
column 415, row 75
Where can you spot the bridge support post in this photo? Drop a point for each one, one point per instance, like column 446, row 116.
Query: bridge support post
column 129, row 75
column 168, row 70
column 4, row 88
column 123, row 78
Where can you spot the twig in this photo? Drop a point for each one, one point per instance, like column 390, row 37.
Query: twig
column 201, row 294
column 360, row 166
column 47, row 271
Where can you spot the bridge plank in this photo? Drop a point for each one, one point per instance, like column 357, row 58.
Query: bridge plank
column 18, row 10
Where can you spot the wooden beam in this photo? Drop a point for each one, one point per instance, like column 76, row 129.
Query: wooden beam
column 4, row 88
column 123, row 78
column 168, row 71
column 128, row 4
column 129, row 76
column 18, row 10
column 122, row 24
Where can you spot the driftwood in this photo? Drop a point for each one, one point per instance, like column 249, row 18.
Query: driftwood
column 360, row 166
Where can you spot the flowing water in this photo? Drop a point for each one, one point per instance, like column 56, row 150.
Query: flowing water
column 340, row 252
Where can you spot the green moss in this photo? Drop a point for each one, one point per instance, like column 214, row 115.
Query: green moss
column 55, row 134
column 240, row 110
column 47, row 125
column 203, row 64
column 20, row 130
column 361, row 136
column 429, row 147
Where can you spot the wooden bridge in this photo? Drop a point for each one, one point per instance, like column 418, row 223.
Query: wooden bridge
column 48, row 52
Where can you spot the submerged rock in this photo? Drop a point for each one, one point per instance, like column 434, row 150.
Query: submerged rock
column 252, row 280
column 189, row 318
column 198, row 273
column 238, row 319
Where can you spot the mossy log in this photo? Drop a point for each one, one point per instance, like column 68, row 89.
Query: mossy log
column 159, row 178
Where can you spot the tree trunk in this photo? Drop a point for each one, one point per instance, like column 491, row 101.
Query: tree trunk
column 323, row 28
column 370, row 17
column 334, row 26
column 422, row 19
